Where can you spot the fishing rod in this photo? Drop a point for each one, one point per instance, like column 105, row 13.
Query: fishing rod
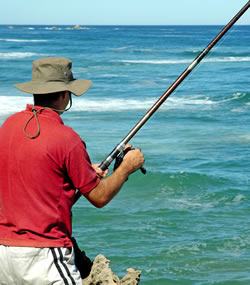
column 121, row 146
column 118, row 151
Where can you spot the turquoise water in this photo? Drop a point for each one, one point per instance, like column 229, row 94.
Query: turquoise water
column 187, row 220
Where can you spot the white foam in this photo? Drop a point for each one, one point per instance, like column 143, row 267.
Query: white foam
column 111, row 105
column 10, row 104
column 131, row 48
column 186, row 61
column 121, row 48
column 239, row 198
column 112, row 75
column 245, row 138
column 229, row 59
column 17, row 55
column 77, row 28
column 116, row 105
column 187, row 203
column 54, row 28
column 22, row 40
column 160, row 61
column 183, row 102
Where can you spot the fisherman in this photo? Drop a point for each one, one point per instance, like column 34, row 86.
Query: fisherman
column 42, row 165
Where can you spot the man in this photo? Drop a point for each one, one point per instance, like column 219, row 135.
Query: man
column 42, row 164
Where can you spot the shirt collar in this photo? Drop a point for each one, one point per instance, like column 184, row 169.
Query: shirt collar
column 45, row 111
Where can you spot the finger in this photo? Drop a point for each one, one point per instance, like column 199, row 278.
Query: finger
column 128, row 146
column 101, row 173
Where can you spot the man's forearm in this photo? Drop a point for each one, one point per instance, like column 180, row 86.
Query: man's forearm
column 108, row 187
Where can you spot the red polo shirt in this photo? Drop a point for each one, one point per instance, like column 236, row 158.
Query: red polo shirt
column 38, row 179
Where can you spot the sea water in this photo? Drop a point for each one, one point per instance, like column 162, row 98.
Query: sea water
column 187, row 221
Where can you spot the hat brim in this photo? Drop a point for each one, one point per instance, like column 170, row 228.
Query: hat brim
column 77, row 87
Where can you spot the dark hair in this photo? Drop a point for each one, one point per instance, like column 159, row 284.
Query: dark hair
column 48, row 99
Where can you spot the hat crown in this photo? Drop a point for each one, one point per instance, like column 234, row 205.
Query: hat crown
column 52, row 69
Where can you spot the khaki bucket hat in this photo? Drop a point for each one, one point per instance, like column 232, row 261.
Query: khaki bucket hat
column 53, row 74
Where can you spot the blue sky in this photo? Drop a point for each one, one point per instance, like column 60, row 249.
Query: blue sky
column 121, row 12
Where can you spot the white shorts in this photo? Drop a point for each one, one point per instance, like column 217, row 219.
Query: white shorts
column 38, row 266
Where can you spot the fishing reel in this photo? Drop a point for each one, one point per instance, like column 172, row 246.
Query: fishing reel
column 120, row 157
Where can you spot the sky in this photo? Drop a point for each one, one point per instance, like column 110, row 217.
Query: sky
column 121, row 12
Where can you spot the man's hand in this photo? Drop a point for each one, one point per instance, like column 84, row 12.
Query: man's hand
column 132, row 160
column 108, row 187
column 98, row 170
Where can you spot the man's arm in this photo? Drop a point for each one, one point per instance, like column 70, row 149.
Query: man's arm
column 108, row 187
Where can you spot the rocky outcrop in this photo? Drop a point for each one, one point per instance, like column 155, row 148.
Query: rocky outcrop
column 101, row 274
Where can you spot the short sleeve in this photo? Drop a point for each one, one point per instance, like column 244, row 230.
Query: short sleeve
column 80, row 170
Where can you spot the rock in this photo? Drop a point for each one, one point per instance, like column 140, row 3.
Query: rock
column 77, row 27
column 131, row 278
column 101, row 274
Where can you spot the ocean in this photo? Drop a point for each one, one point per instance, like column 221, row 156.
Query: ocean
column 187, row 221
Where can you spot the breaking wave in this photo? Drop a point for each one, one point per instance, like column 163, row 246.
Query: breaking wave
column 187, row 61
column 11, row 104
column 18, row 55
column 23, row 40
